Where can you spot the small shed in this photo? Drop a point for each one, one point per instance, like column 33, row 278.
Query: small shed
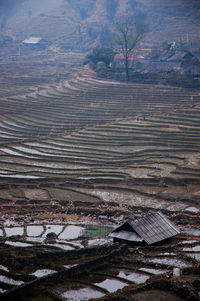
column 35, row 42
column 150, row 229
column 32, row 41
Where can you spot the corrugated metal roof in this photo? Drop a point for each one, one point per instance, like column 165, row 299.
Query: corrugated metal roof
column 178, row 56
column 154, row 65
column 126, row 235
column 151, row 228
column 154, row 227
column 32, row 40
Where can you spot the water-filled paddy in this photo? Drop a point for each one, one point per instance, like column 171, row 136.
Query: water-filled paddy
column 18, row 244
column 42, row 273
column 35, row 230
column 133, row 276
column 14, row 231
column 153, row 271
column 7, row 280
column 111, row 285
column 82, row 294
column 2, row 267
column 71, row 232
column 192, row 249
column 194, row 255
column 53, row 228
column 171, row 262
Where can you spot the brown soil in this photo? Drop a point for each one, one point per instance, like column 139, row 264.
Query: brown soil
column 154, row 295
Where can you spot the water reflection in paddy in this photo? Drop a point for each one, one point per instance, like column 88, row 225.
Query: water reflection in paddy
column 62, row 246
column 194, row 255
column 2, row 267
column 10, row 231
column 53, row 228
column 153, row 271
column 34, row 230
column 18, row 244
column 7, row 280
column 133, row 276
column 193, row 231
column 171, row 261
column 71, row 232
column 69, row 266
column 111, row 285
column 44, row 272
column 193, row 249
column 82, row 294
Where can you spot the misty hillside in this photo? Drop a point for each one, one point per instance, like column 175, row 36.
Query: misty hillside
column 80, row 25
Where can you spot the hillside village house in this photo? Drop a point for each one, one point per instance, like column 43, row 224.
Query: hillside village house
column 150, row 229
column 35, row 42
column 166, row 62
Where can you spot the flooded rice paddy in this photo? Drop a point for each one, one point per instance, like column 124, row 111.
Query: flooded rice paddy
column 82, row 294
column 7, row 280
column 97, row 157
column 171, row 262
column 125, row 270
column 42, row 273
column 111, row 285
column 133, row 276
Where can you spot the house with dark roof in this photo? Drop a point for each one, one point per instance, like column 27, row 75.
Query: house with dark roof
column 150, row 229
column 165, row 62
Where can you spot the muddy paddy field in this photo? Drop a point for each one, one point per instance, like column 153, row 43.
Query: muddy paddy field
column 77, row 158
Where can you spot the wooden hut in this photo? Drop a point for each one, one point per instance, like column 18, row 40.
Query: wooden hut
column 150, row 229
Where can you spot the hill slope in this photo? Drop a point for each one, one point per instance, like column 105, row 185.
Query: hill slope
column 167, row 20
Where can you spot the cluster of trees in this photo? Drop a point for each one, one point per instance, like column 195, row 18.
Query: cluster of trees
column 128, row 33
column 100, row 59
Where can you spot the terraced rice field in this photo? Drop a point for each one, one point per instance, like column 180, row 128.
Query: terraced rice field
column 87, row 143
column 105, row 150
column 65, row 267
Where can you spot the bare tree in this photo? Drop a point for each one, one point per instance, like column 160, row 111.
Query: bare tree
column 129, row 34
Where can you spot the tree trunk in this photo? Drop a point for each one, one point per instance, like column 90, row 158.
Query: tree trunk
column 126, row 68
column 126, row 58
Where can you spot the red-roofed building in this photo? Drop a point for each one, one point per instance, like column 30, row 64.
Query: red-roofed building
column 120, row 56
column 118, row 62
